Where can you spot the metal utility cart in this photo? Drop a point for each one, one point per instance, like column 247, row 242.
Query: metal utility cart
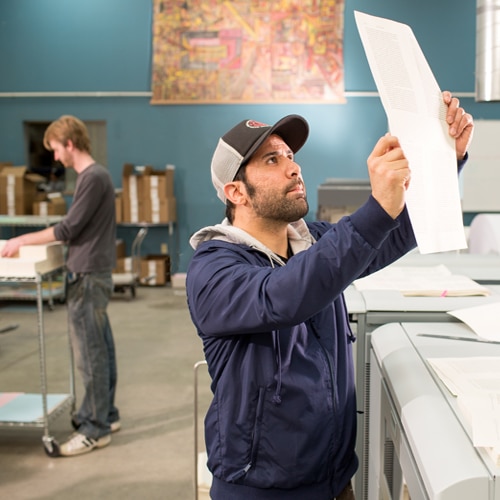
column 37, row 410
column 53, row 289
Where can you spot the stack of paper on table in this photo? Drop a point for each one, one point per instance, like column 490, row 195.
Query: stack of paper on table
column 32, row 260
column 432, row 281
column 475, row 380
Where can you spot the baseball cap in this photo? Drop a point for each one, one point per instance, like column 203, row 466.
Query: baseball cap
column 236, row 147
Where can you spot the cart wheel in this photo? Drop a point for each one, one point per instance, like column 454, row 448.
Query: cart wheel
column 51, row 447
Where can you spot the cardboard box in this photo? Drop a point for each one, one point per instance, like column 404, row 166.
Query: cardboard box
column 123, row 265
column 132, row 180
column 159, row 210
column 159, row 183
column 129, row 194
column 120, row 249
column 18, row 190
column 155, row 270
column 119, row 207
column 121, row 256
column 120, row 266
column 51, row 204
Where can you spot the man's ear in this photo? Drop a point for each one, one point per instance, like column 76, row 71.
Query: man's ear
column 235, row 192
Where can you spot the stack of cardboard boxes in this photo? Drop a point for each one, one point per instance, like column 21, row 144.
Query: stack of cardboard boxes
column 148, row 194
column 151, row 270
column 18, row 189
column 19, row 194
column 155, row 270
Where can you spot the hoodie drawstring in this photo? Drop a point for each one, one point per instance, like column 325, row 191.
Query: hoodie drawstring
column 277, row 394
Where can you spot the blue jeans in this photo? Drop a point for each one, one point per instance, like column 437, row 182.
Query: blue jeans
column 93, row 347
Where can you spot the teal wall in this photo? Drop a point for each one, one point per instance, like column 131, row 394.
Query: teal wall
column 105, row 45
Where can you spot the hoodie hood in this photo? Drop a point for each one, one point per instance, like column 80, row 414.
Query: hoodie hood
column 299, row 237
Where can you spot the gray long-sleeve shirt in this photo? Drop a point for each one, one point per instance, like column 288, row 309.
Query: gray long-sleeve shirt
column 89, row 227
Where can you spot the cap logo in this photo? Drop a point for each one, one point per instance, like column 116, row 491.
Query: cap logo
column 254, row 124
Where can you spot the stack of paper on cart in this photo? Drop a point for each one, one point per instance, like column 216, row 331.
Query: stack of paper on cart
column 32, row 260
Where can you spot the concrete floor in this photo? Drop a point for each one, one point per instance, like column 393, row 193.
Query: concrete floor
column 152, row 456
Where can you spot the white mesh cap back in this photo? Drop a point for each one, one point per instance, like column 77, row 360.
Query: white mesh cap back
column 226, row 162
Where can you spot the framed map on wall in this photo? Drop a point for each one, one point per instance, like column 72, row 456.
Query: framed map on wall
column 247, row 51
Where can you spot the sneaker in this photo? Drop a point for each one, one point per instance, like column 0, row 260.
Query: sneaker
column 115, row 426
column 78, row 444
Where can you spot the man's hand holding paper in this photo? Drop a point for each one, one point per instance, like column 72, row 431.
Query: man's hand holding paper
column 388, row 166
column 460, row 124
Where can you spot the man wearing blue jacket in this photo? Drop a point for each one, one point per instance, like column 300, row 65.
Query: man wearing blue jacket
column 265, row 290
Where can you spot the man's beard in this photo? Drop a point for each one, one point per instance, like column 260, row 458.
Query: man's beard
column 282, row 209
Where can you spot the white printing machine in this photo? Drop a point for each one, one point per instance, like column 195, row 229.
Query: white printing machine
column 338, row 197
column 420, row 445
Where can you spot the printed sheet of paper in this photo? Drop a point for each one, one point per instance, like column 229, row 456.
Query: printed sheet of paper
column 416, row 114
column 483, row 320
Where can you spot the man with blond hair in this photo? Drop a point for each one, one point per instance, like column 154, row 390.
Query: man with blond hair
column 89, row 230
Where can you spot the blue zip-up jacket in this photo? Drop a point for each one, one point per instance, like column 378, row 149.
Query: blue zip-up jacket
column 277, row 341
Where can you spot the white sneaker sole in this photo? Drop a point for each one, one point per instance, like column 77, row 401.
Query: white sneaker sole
column 88, row 445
